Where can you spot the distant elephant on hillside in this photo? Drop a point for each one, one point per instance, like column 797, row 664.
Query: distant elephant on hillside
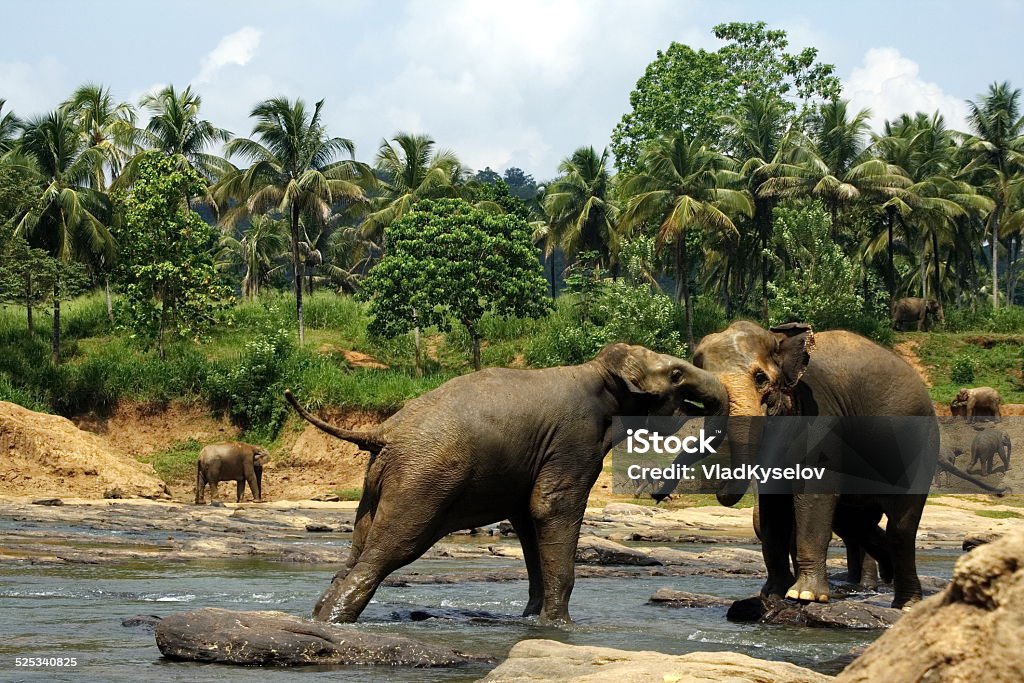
column 236, row 461
column 977, row 402
column 986, row 446
column 914, row 310
column 521, row 445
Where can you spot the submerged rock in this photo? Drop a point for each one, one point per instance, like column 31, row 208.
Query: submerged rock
column 971, row 631
column 972, row 541
column 147, row 622
column 279, row 639
column 596, row 550
column 667, row 597
column 849, row 613
column 546, row 660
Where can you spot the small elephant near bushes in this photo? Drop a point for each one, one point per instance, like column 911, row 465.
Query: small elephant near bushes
column 239, row 462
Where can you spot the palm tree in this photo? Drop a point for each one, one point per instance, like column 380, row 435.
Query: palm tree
column 833, row 163
column 257, row 249
column 296, row 172
column 684, row 186
column 996, row 153
column 107, row 125
column 410, row 168
column 66, row 218
column 8, row 128
column 579, row 205
column 175, row 129
column 759, row 140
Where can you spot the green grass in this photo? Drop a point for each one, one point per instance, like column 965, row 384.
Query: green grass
column 348, row 494
column 999, row 514
column 176, row 462
column 998, row 356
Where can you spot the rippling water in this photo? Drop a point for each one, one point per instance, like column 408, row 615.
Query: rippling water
column 76, row 610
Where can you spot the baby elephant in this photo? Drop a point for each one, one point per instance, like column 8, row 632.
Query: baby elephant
column 986, row 446
column 236, row 461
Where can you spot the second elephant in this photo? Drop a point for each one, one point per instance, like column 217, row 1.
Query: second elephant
column 987, row 445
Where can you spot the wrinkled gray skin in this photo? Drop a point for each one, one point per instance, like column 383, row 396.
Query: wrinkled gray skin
column 239, row 462
column 988, row 444
column 915, row 311
column 522, row 445
column 791, row 371
column 977, row 402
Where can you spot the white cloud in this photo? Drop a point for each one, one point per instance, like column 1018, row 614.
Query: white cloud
column 31, row 88
column 890, row 84
column 235, row 48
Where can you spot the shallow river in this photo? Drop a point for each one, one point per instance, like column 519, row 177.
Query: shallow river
column 76, row 611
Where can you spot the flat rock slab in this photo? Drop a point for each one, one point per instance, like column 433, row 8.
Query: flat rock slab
column 853, row 614
column 279, row 639
column 667, row 597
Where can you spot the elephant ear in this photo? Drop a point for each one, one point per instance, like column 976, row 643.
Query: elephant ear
column 622, row 364
column 796, row 341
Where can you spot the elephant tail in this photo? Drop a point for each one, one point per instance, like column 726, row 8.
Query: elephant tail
column 367, row 441
column 953, row 469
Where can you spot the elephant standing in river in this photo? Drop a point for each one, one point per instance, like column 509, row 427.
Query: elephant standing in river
column 522, row 445
column 988, row 444
column 915, row 311
column 789, row 370
column 239, row 462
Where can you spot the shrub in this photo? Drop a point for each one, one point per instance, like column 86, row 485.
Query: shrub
column 567, row 344
column 708, row 316
column 636, row 315
column 963, row 369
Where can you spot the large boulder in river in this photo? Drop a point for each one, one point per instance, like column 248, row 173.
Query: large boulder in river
column 279, row 639
column 531, row 661
column 47, row 455
column 971, row 631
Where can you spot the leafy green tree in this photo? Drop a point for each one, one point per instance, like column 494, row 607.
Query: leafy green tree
column 498, row 196
column 520, row 183
column 66, row 216
column 487, row 176
column 690, row 90
column 258, row 250
column 996, row 156
column 684, row 186
column 411, row 169
column 296, row 172
column 166, row 269
column 579, row 206
column 107, row 125
column 448, row 261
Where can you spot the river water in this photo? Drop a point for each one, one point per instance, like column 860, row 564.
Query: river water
column 75, row 610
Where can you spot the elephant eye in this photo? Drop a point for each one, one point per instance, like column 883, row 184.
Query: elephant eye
column 676, row 376
column 760, row 379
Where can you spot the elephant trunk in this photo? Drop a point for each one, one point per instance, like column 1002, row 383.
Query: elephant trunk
column 700, row 386
column 744, row 432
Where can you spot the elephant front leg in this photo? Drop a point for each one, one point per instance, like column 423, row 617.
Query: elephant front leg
column 813, row 514
column 523, row 525
column 557, row 508
column 774, row 515
column 240, row 490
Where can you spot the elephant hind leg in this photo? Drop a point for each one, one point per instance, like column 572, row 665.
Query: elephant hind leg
column 900, row 536
column 200, row 485
column 240, row 491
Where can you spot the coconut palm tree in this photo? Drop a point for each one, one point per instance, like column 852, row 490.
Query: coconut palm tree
column 107, row 125
column 995, row 150
column 258, row 249
column 176, row 129
column 297, row 172
column 833, row 163
column 8, row 128
column 66, row 219
column 684, row 186
column 579, row 206
column 410, row 168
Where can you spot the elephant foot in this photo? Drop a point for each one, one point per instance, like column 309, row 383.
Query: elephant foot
column 561, row 619
column 532, row 609
column 808, row 590
column 776, row 590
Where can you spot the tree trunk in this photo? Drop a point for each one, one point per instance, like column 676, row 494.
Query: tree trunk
column 28, row 303
column 725, row 288
column 297, row 272
column 935, row 264
column 554, row 290
column 995, row 256
column 55, row 351
column 476, row 345
column 924, row 269
column 891, row 274
column 683, row 286
column 418, row 352
column 110, row 301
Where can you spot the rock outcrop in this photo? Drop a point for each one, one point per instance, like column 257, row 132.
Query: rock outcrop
column 47, row 455
column 279, row 639
column 969, row 632
column 546, row 660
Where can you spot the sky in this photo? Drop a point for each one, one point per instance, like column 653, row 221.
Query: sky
column 501, row 84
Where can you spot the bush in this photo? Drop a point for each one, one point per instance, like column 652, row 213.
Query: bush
column 963, row 369
column 568, row 344
column 708, row 316
column 636, row 315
